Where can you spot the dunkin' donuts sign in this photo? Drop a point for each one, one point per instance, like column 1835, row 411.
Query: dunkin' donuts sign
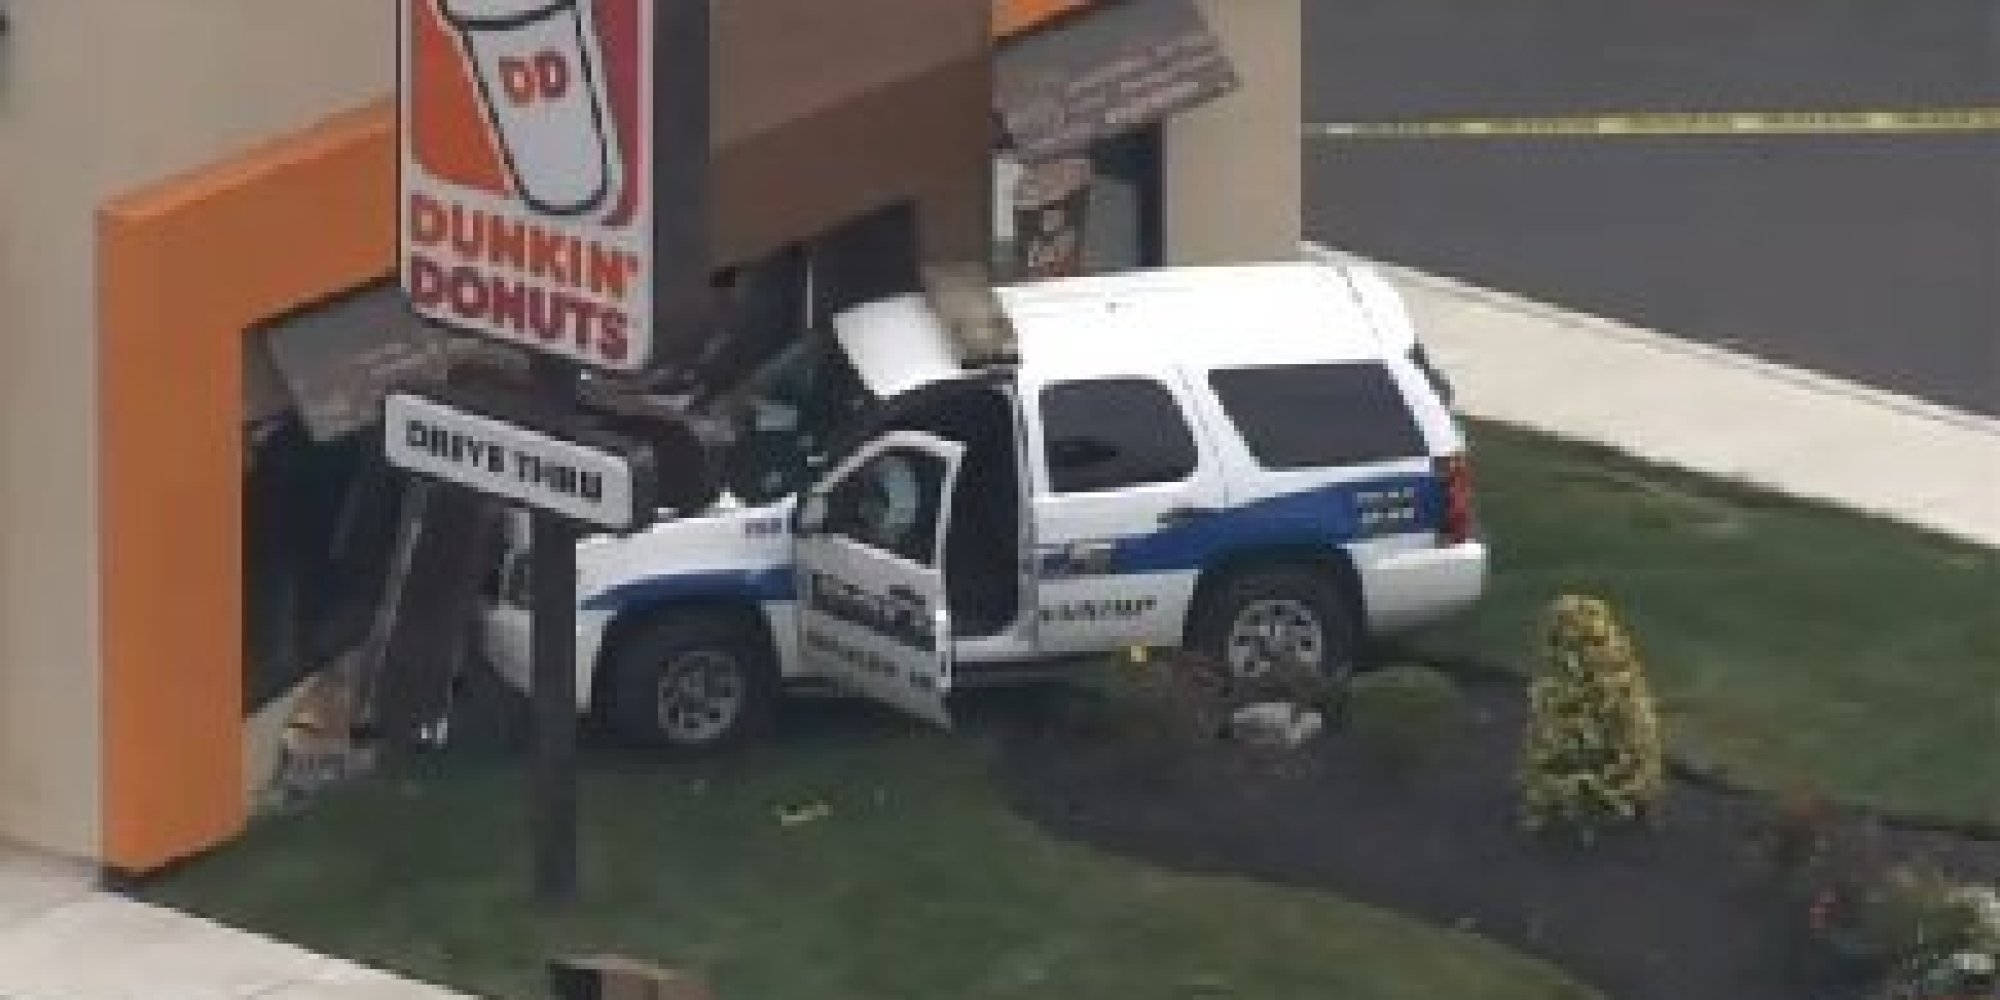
column 526, row 214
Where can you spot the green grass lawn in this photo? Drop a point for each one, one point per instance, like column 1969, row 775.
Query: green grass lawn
column 1792, row 645
column 918, row 884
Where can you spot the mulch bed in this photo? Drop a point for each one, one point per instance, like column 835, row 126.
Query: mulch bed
column 1689, row 908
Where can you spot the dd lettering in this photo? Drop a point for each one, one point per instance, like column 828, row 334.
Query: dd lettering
column 543, row 76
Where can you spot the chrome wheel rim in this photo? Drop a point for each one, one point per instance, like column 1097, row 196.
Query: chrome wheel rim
column 1273, row 634
column 700, row 696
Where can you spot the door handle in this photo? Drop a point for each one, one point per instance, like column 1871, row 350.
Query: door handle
column 1182, row 515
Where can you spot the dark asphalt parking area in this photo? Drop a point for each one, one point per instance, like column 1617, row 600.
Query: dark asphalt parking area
column 1377, row 59
column 1873, row 257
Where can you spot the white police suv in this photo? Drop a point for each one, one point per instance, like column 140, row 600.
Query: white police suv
column 1252, row 460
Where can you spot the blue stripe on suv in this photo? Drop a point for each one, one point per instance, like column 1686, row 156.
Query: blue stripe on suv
column 1327, row 516
column 772, row 584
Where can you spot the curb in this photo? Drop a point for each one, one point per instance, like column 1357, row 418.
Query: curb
column 1640, row 336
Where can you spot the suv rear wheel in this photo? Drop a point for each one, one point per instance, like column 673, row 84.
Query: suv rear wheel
column 1275, row 620
column 692, row 680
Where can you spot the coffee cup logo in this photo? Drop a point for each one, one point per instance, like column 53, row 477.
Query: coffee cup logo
column 538, row 75
column 525, row 132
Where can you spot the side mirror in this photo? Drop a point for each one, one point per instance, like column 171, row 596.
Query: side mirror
column 809, row 517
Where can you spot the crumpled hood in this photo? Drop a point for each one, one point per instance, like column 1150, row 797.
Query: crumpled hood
column 896, row 345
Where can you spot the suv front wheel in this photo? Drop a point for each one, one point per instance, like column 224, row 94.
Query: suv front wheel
column 1279, row 621
column 690, row 680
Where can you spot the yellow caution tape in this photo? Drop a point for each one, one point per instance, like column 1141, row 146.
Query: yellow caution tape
column 1686, row 123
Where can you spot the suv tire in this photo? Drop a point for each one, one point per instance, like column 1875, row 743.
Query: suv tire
column 1254, row 617
column 691, row 681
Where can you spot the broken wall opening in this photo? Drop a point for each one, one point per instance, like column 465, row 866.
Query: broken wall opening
column 361, row 585
column 317, row 527
column 358, row 583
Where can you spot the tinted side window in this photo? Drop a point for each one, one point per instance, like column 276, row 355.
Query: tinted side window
column 1308, row 416
column 1105, row 434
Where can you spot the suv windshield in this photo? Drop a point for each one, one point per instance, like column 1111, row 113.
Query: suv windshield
column 786, row 417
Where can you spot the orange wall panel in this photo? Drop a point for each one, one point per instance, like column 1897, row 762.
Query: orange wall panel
column 1011, row 17
column 185, row 269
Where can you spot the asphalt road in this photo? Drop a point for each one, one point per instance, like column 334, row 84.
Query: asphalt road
column 1372, row 59
column 1872, row 257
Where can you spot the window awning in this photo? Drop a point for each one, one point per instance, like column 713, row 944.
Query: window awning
column 337, row 361
column 1106, row 71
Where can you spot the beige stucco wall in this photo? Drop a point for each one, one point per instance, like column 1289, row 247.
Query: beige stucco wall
column 98, row 97
column 1232, row 166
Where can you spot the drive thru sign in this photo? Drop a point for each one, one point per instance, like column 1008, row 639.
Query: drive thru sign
column 604, row 482
column 528, row 189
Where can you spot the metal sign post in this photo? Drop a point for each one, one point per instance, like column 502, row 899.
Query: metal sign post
column 525, row 446
column 553, row 798
column 553, row 781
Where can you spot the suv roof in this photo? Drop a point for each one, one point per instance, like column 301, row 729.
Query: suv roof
column 1216, row 316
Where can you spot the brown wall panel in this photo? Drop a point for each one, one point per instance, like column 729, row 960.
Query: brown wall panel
column 776, row 61
column 926, row 139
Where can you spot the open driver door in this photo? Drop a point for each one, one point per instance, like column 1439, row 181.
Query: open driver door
column 869, row 547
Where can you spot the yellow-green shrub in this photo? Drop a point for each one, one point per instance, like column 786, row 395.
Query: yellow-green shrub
column 1592, row 758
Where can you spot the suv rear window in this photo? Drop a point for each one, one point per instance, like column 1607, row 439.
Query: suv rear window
column 1309, row 416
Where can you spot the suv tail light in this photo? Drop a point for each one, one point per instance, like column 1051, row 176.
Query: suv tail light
column 1460, row 522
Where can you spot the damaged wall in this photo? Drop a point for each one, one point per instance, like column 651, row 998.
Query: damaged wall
column 187, row 266
column 120, row 583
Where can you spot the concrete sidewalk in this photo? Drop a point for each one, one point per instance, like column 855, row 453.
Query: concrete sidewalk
column 62, row 939
column 1702, row 408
